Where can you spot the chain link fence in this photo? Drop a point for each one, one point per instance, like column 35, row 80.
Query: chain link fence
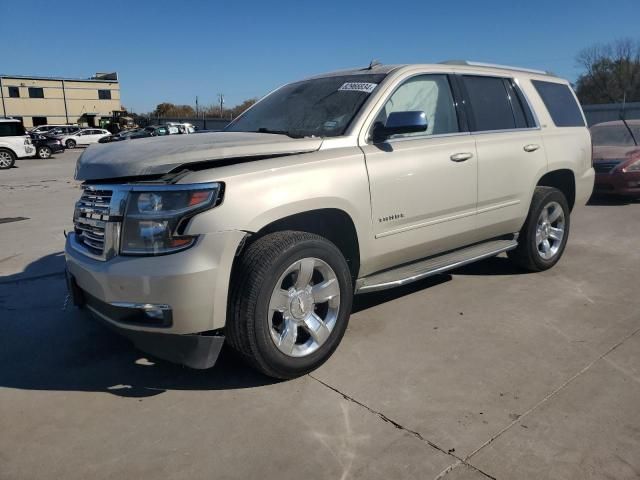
column 611, row 111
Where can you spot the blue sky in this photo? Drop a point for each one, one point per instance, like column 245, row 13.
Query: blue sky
column 174, row 50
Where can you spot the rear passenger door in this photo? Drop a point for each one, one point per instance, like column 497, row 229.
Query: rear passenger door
column 510, row 151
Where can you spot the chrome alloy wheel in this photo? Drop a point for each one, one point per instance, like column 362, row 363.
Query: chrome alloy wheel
column 5, row 159
column 304, row 306
column 550, row 230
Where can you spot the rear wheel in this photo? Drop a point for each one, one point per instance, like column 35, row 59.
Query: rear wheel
column 70, row 144
column 7, row 159
column 290, row 303
column 544, row 235
column 44, row 152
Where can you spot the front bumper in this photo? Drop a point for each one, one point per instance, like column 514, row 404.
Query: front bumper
column 618, row 183
column 191, row 286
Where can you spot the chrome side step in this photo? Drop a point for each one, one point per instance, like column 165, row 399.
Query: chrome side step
column 432, row 266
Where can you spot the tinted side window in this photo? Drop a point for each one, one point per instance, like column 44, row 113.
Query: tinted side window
column 14, row 92
column 430, row 94
column 560, row 103
column 11, row 129
column 36, row 92
column 104, row 94
column 490, row 105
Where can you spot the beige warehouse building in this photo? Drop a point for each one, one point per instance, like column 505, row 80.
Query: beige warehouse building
column 48, row 100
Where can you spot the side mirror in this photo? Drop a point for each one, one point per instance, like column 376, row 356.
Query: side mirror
column 399, row 123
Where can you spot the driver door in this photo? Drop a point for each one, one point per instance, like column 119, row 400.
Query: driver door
column 424, row 184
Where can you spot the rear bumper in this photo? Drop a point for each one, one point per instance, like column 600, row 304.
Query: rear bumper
column 618, row 183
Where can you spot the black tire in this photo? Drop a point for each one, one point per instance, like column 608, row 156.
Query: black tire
column 527, row 255
column 70, row 144
column 8, row 159
column 44, row 152
column 256, row 274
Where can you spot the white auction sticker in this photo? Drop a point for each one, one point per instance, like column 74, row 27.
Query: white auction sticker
column 358, row 87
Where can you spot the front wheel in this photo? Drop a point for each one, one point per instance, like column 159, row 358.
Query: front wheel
column 290, row 303
column 70, row 144
column 44, row 152
column 7, row 159
column 545, row 233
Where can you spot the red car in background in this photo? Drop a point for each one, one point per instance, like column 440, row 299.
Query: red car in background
column 616, row 157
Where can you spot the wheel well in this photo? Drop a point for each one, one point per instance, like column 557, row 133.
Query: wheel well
column 333, row 224
column 563, row 180
column 5, row 149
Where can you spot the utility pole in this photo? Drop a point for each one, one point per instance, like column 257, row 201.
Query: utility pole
column 196, row 106
column 221, row 100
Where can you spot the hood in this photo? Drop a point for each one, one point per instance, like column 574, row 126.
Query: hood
column 159, row 155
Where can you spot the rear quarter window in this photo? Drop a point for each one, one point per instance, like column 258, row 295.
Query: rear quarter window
column 561, row 103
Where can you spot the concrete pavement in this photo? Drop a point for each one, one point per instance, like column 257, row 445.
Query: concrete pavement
column 484, row 373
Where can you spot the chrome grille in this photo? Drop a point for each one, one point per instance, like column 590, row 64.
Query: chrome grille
column 606, row 166
column 90, row 219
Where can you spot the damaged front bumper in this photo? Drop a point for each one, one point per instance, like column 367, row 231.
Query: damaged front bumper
column 171, row 306
column 197, row 351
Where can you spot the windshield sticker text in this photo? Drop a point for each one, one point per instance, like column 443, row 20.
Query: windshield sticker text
column 358, row 87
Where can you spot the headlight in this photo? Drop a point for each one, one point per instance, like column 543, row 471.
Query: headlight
column 634, row 167
column 155, row 219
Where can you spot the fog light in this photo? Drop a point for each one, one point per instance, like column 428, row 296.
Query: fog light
column 154, row 313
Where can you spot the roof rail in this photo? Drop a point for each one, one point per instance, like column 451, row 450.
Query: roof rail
column 493, row 65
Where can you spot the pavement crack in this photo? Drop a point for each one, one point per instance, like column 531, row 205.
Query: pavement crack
column 399, row 426
column 552, row 394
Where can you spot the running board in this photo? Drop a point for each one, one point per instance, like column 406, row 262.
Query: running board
column 432, row 266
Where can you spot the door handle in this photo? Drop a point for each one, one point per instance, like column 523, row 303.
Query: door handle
column 461, row 157
column 532, row 147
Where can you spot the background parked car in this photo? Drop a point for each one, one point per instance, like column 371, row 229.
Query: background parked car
column 84, row 137
column 64, row 130
column 46, row 145
column 156, row 130
column 14, row 143
column 616, row 157
column 44, row 128
column 124, row 135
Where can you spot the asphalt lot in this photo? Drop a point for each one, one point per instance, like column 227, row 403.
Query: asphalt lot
column 484, row 373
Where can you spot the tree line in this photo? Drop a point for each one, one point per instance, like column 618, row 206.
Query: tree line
column 611, row 73
column 170, row 110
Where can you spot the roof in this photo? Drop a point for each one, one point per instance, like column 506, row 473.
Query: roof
column 105, row 79
column 376, row 68
column 480, row 66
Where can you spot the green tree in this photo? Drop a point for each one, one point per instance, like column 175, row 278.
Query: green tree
column 170, row 110
column 611, row 73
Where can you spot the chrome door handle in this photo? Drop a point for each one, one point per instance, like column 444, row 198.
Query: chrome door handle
column 461, row 157
column 532, row 147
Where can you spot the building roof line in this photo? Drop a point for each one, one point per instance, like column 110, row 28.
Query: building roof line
column 36, row 77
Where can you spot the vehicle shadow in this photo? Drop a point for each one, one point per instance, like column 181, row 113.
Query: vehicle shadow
column 489, row 267
column 601, row 200
column 43, row 347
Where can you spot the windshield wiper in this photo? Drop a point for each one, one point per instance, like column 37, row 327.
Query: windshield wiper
column 277, row 132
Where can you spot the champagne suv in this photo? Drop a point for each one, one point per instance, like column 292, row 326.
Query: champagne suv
column 341, row 184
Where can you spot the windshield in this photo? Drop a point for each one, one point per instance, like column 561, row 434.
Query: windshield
column 321, row 107
column 612, row 135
